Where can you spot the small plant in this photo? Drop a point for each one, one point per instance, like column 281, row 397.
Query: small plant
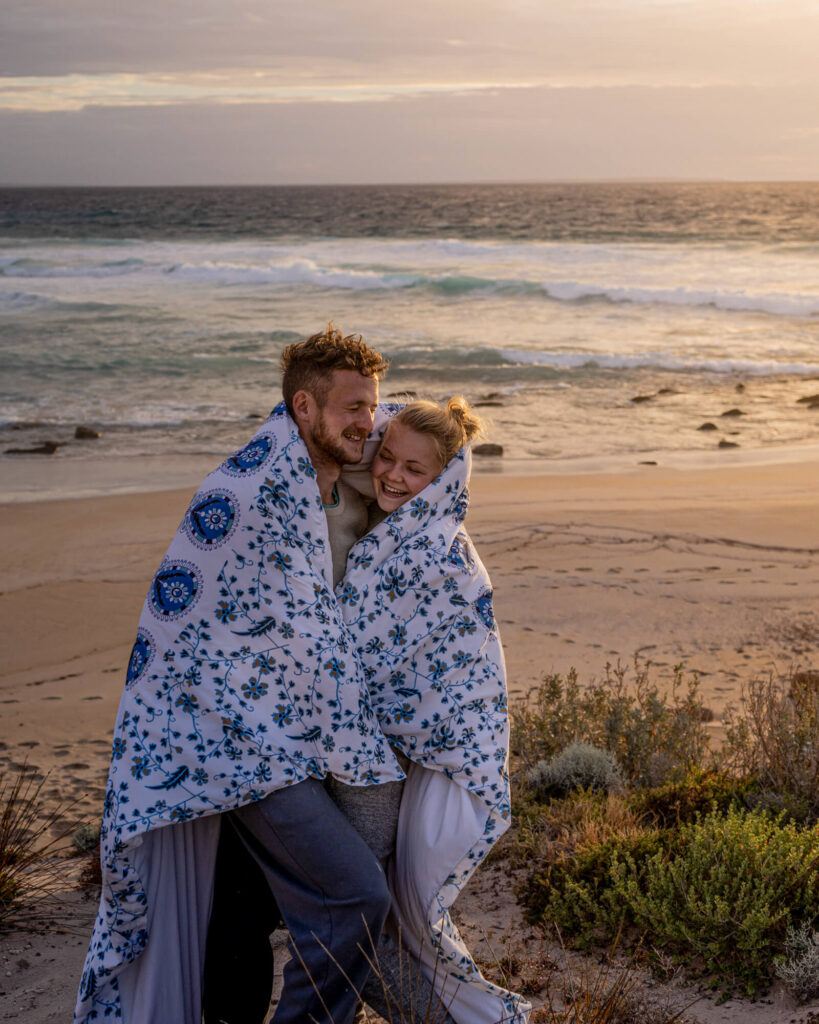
column 86, row 838
column 718, row 890
column 799, row 968
column 546, row 832
column 579, row 766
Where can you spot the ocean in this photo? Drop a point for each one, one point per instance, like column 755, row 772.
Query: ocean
column 157, row 316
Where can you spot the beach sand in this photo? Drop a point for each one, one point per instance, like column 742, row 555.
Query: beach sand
column 714, row 568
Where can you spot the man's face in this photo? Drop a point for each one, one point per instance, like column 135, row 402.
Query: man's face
column 339, row 428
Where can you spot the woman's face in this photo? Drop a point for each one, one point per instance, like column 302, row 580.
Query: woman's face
column 406, row 462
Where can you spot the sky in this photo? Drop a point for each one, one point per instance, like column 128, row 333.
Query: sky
column 203, row 92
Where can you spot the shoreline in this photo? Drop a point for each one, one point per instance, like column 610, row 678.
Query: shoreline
column 34, row 479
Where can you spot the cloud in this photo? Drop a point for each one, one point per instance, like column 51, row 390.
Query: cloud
column 528, row 135
column 463, row 90
column 75, row 92
column 332, row 41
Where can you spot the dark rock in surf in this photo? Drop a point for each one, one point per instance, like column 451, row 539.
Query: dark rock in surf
column 727, row 444
column 86, row 434
column 46, row 448
column 708, row 426
column 733, row 412
column 487, row 449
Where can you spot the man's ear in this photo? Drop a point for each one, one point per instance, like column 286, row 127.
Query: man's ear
column 303, row 405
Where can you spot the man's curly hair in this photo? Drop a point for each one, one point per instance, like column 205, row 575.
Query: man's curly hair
column 308, row 365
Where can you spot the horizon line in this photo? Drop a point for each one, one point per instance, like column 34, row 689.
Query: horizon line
column 625, row 180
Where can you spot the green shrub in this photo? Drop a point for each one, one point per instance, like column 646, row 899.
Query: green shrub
column 652, row 735
column 696, row 794
column 721, row 890
column 578, row 893
column 727, row 894
column 579, row 766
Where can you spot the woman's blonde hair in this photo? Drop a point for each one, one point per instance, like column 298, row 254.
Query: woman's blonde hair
column 449, row 427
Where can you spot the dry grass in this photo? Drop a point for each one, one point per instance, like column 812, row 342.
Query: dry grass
column 28, row 845
column 559, row 828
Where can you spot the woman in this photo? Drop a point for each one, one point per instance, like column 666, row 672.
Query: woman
column 419, row 604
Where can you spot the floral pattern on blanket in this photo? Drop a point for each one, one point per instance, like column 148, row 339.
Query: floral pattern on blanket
column 418, row 601
column 243, row 679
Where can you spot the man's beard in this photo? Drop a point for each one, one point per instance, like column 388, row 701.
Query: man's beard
column 331, row 447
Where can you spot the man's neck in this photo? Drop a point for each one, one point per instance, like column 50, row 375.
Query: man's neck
column 327, row 473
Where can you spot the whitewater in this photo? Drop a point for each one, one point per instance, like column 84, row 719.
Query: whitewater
column 169, row 346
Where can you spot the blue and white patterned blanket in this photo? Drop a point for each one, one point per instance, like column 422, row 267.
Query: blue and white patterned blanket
column 243, row 679
column 418, row 602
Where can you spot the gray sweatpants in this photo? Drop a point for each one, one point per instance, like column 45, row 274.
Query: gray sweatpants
column 397, row 989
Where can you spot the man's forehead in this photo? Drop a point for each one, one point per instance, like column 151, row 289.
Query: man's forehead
column 350, row 384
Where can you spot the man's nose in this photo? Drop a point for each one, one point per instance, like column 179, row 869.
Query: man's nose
column 364, row 420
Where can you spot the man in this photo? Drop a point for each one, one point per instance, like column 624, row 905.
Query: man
column 330, row 389
column 242, row 694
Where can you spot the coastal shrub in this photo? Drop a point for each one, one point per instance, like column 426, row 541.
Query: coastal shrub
column 720, row 891
column 545, row 832
column 579, row 766
column 579, row 892
column 727, row 894
column 774, row 736
column 799, row 967
column 699, row 792
column 652, row 735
